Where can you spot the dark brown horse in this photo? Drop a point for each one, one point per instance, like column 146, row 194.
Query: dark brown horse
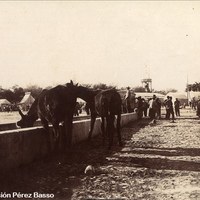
column 106, row 104
column 53, row 106
column 88, row 95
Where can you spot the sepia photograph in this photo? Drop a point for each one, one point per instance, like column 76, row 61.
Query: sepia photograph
column 100, row 100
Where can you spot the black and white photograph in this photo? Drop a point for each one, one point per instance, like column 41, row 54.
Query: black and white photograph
column 100, row 100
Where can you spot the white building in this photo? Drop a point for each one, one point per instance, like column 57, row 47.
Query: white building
column 27, row 101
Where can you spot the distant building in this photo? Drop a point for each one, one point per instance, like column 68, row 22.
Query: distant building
column 27, row 101
column 147, row 84
column 4, row 103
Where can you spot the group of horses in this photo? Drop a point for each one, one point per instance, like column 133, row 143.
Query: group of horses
column 57, row 105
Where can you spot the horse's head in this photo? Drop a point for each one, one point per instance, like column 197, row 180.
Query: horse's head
column 72, row 88
column 26, row 121
column 71, row 85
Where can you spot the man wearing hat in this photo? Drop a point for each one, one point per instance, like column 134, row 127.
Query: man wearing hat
column 153, row 107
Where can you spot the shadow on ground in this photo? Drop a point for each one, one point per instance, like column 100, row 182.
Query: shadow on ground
column 61, row 174
column 157, row 163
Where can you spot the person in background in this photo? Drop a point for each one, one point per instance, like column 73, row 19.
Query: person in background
column 167, row 107
column 171, row 109
column 159, row 104
column 177, row 107
column 87, row 108
column 153, row 107
column 193, row 103
column 128, row 100
column 145, row 106
column 139, row 108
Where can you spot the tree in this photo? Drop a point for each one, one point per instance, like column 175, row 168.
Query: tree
column 7, row 94
column 138, row 89
column 103, row 86
column 164, row 92
column 34, row 89
column 18, row 93
column 195, row 87
column 171, row 90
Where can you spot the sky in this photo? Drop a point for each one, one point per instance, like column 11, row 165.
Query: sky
column 112, row 42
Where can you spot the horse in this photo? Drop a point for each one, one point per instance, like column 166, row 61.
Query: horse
column 88, row 96
column 106, row 104
column 53, row 106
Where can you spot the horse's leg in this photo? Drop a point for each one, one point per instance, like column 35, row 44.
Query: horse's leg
column 119, row 129
column 93, row 118
column 63, row 137
column 47, row 132
column 103, row 129
column 68, row 129
column 57, row 136
column 110, row 125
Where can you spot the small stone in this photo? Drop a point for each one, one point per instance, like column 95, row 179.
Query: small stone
column 89, row 170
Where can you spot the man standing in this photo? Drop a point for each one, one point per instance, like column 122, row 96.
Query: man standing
column 171, row 109
column 177, row 107
column 159, row 104
column 167, row 107
column 139, row 108
column 128, row 100
column 153, row 107
column 145, row 107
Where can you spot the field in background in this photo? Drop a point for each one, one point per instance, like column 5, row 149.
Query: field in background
column 13, row 117
column 9, row 117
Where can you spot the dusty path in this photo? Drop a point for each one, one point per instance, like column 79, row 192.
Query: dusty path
column 157, row 162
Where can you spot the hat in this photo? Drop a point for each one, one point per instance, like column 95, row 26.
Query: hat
column 128, row 88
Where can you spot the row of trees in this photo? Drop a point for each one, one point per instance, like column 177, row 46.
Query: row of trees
column 16, row 93
column 135, row 89
column 195, row 87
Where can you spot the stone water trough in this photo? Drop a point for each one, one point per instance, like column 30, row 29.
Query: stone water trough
column 23, row 146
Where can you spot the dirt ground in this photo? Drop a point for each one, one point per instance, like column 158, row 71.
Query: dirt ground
column 157, row 162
